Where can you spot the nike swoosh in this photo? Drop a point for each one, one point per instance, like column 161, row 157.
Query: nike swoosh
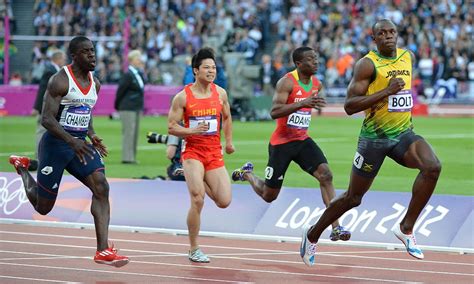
column 193, row 105
column 413, row 250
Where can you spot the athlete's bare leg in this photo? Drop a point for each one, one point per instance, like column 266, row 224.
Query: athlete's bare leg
column 421, row 156
column 194, row 175
column 219, row 186
column 100, row 207
column 324, row 175
column 40, row 204
column 265, row 192
column 358, row 186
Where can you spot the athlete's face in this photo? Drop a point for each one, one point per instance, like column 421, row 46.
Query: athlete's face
column 385, row 37
column 309, row 64
column 206, row 71
column 85, row 56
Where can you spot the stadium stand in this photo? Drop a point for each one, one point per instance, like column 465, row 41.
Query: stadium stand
column 440, row 34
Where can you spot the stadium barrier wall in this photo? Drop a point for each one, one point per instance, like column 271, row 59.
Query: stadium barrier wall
column 446, row 222
column 19, row 100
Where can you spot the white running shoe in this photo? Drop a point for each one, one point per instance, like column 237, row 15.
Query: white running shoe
column 409, row 241
column 307, row 248
column 198, row 256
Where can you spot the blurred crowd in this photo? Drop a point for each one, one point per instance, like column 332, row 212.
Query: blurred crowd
column 440, row 33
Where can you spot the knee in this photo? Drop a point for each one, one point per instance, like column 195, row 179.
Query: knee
column 43, row 210
column 432, row 169
column 325, row 177
column 223, row 203
column 353, row 200
column 269, row 197
column 197, row 200
column 101, row 190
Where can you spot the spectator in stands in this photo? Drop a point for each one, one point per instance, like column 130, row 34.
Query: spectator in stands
column 16, row 79
column 267, row 76
column 430, row 27
column 129, row 103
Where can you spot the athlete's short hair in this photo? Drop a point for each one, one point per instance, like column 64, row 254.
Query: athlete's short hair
column 380, row 21
column 298, row 53
column 203, row 53
column 75, row 42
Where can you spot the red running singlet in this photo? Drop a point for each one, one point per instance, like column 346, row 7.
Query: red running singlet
column 294, row 126
column 206, row 110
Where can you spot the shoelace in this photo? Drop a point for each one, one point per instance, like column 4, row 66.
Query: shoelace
column 412, row 237
column 311, row 249
column 198, row 254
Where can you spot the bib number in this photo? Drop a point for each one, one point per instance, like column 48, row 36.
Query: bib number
column 76, row 118
column 299, row 119
column 400, row 102
column 210, row 120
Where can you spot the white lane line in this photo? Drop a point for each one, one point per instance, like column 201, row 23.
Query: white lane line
column 120, row 272
column 213, row 268
column 332, row 254
column 260, row 260
column 36, row 279
column 403, row 270
column 273, row 271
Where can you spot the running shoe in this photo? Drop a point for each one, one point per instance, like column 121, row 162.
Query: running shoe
column 409, row 241
column 307, row 248
column 19, row 162
column 340, row 233
column 179, row 171
column 109, row 256
column 238, row 174
column 198, row 256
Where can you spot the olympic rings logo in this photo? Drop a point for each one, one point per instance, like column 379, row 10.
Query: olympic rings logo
column 12, row 195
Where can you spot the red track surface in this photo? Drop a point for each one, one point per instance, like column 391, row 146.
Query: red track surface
column 35, row 253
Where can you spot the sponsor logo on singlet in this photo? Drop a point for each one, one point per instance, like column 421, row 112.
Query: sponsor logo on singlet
column 392, row 73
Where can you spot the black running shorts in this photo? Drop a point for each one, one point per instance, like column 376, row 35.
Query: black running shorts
column 372, row 152
column 305, row 153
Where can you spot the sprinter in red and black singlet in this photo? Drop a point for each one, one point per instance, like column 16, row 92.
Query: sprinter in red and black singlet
column 67, row 116
column 295, row 96
column 201, row 106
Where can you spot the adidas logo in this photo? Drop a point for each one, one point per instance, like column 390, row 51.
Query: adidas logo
column 55, row 186
column 72, row 90
column 281, row 177
column 299, row 93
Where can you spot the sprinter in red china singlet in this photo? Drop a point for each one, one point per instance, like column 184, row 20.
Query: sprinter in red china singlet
column 203, row 107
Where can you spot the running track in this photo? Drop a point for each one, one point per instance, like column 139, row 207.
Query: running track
column 33, row 254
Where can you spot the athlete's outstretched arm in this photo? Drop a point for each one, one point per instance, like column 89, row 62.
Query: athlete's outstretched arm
column 226, row 121
column 175, row 116
column 356, row 99
column 57, row 88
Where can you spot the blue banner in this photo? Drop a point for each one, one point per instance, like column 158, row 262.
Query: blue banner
column 446, row 221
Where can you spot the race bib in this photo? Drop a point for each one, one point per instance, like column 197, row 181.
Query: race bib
column 76, row 118
column 400, row 102
column 211, row 121
column 299, row 119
